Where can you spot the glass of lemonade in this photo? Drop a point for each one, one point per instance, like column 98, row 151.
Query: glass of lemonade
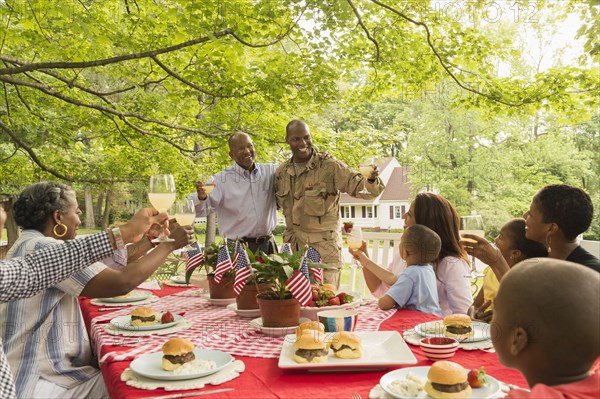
column 185, row 214
column 208, row 188
column 354, row 241
column 366, row 168
column 161, row 194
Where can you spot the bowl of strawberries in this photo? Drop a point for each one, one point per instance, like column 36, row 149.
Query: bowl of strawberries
column 325, row 297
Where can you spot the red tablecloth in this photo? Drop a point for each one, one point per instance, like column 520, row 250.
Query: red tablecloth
column 263, row 379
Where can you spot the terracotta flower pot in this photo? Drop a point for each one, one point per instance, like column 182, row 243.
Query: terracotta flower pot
column 223, row 290
column 247, row 297
column 279, row 312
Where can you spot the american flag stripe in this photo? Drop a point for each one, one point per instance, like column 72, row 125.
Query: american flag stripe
column 193, row 258
column 299, row 286
column 223, row 263
column 314, row 256
column 242, row 270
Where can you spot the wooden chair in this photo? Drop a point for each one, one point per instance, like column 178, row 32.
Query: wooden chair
column 381, row 247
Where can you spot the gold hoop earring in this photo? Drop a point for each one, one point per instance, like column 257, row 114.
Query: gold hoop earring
column 64, row 232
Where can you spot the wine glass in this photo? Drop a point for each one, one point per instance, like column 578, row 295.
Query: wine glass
column 354, row 241
column 162, row 195
column 208, row 188
column 184, row 212
column 366, row 168
column 472, row 224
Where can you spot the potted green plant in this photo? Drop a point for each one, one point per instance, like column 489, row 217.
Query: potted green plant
column 246, row 300
column 224, row 289
column 277, row 305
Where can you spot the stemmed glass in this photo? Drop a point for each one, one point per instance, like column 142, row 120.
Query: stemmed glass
column 185, row 214
column 208, row 188
column 162, row 195
column 472, row 224
column 366, row 168
column 354, row 240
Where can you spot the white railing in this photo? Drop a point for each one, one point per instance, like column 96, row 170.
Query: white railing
column 381, row 247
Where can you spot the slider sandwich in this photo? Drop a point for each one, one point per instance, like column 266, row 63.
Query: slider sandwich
column 176, row 352
column 346, row 345
column 458, row 326
column 447, row 380
column 143, row 317
column 310, row 347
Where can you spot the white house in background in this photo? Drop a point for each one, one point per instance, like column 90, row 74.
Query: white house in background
column 385, row 211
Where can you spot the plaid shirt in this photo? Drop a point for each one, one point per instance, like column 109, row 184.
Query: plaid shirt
column 24, row 277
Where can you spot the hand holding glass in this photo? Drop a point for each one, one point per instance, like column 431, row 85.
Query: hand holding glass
column 472, row 224
column 162, row 195
column 185, row 214
column 366, row 169
column 354, row 241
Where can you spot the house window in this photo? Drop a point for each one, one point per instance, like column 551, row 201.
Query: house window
column 369, row 212
column 398, row 211
column 345, row 212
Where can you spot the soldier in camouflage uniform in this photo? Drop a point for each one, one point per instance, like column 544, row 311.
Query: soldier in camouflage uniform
column 308, row 188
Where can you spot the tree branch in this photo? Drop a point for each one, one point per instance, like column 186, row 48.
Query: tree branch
column 98, row 107
column 360, row 22
column 442, row 62
column 193, row 85
column 32, row 154
column 24, row 67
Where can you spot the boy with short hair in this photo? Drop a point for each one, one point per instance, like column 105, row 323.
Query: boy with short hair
column 546, row 324
column 416, row 287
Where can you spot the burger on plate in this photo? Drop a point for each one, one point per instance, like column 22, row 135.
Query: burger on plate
column 447, row 380
column 176, row 352
column 310, row 347
column 143, row 317
column 309, row 325
column 346, row 345
column 458, row 326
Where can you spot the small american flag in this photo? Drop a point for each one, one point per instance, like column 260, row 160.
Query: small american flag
column 232, row 248
column 314, row 255
column 193, row 258
column 223, row 263
column 286, row 248
column 299, row 284
column 242, row 269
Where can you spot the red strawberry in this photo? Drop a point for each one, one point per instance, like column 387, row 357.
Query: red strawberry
column 315, row 295
column 334, row 301
column 167, row 317
column 477, row 378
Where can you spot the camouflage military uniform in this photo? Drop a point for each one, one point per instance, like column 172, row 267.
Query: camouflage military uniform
column 309, row 195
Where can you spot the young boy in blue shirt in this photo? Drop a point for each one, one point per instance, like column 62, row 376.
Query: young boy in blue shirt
column 416, row 286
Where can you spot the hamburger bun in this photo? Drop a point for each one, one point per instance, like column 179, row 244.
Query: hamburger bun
column 310, row 347
column 450, row 379
column 346, row 345
column 309, row 325
column 177, row 351
column 458, row 326
column 468, row 240
column 143, row 316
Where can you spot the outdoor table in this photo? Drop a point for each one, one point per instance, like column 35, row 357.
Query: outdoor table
column 262, row 377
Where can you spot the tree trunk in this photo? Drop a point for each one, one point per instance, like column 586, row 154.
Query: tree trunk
column 107, row 206
column 12, row 230
column 98, row 211
column 211, row 228
column 90, row 223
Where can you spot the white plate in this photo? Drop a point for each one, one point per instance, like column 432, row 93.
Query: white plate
column 124, row 323
column 381, row 349
column 178, row 280
column 136, row 295
column 150, row 365
column 276, row 331
column 490, row 390
column 243, row 312
column 481, row 331
column 218, row 302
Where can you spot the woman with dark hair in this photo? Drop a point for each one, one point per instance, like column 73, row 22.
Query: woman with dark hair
column 48, row 350
column 451, row 266
column 514, row 247
column 557, row 215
